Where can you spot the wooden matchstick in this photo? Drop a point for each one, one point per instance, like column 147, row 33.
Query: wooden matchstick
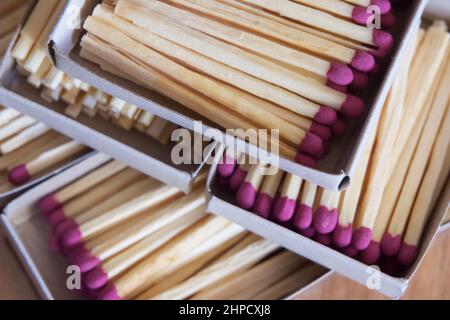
column 24, row 137
column 246, row 195
column 326, row 216
column 384, row 5
column 267, row 194
column 304, row 213
column 7, row 115
column 14, row 127
column 285, row 205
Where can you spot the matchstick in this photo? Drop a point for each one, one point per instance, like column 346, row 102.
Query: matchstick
column 304, row 213
column 285, row 205
column 240, row 173
column 384, row 5
column 14, row 127
column 229, row 162
column 246, row 195
column 267, row 194
column 7, row 115
column 326, row 216
column 24, row 137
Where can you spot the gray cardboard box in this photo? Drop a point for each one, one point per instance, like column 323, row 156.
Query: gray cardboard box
column 28, row 232
column 333, row 173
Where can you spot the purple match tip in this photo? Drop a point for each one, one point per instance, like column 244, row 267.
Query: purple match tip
column 48, row 204
column 19, row 175
column 342, row 236
column 237, row 179
column 382, row 39
column 324, row 152
column 350, row 251
column 360, row 81
column 86, row 261
column 223, row 182
column 284, row 209
column 324, row 239
column 109, row 293
column 303, row 217
column 64, row 226
column 311, row 144
column 361, row 238
column 407, row 254
column 372, row 254
column 72, row 237
column 361, row 15
column 324, row 132
column 384, row 5
column 339, row 127
column 363, row 61
column 263, row 205
column 246, row 195
column 391, row 266
column 353, row 106
column 325, row 220
column 343, row 89
column 326, row 116
column 56, row 217
column 308, row 233
column 96, row 278
column 305, row 160
column 226, row 168
column 390, row 245
column 388, row 21
column 340, row 74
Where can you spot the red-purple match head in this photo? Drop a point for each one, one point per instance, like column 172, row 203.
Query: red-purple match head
column 342, row 235
column 72, row 237
column 382, row 39
column 363, row 61
column 326, row 116
column 227, row 167
column 388, row 21
column 324, row 132
column 303, row 217
column 407, row 254
column 246, row 196
column 308, row 233
column 237, row 179
column 390, row 245
column 340, row 74
column 350, row 251
column 343, row 89
column 325, row 220
column 361, row 238
column 311, row 144
column 86, row 261
column 361, row 15
column 263, row 205
column 284, row 209
column 384, row 5
column 339, row 127
column 353, row 106
column 96, row 278
column 19, row 175
column 305, row 160
column 56, row 217
column 48, row 204
column 323, row 239
column 372, row 254
column 360, row 81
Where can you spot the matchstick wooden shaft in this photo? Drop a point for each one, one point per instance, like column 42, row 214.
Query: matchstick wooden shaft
column 308, row 194
column 291, row 186
column 7, row 115
column 24, row 137
column 271, row 183
column 339, row 8
column 16, row 126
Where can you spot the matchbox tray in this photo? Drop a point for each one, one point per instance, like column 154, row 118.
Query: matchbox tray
column 334, row 173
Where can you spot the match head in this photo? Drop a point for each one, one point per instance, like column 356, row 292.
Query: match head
column 390, row 266
column 361, row 15
column 325, row 151
column 325, row 220
column 96, row 278
column 305, row 160
column 382, row 39
column 350, row 251
column 308, row 233
column 86, row 261
column 390, row 245
column 237, row 179
column 342, row 236
column 74, row 252
column 363, row 61
column 388, row 21
column 360, row 81
column 343, row 89
column 263, row 205
column 324, row 132
column 246, row 195
column 109, row 293
column 48, row 204
column 384, row 5
column 303, row 217
column 339, row 127
column 353, row 106
column 284, row 209
column 223, row 182
column 324, row 239
column 64, row 226
column 311, row 144
column 407, row 254
column 326, row 116
column 372, row 254
column 72, row 237
column 19, row 175
column 361, row 238
column 340, row 74
column 56, row 217
column 226, row 168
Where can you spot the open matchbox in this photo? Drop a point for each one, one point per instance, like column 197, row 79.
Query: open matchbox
column 334, row 172
column 131, row 147
column 28, row 232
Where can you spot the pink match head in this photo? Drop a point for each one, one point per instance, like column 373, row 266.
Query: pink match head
column 384, row 5
column 64, row 226
column 390, row 266
column 223, row 182
column 48, row 204
column 308, row 233
column 361, row 238
column 311, row 144
column 340, row 74
column 363, row 61
column 360, row 81
column 326, row 116
column 109, row 293
column 388, row 21
column 342, row 236
column 284, row 209
column 324, row 239
column 343, row 89
column 72, row 237
column 237, row 179
column 376, row 69
column 407, row 254
column 226, row 168
column 96, row 278
column 305, row 160
column 56, row 217
column 19, row 175
column 361, row 15
column 339, row 127
column 325, row 151
column 74, row 252
column 303, row 217
column 371, row 255
column 324, row 132
column 325, row 220
column 263, row 205
column 350, row 251
column 246, row 195
column 353, row 106
column 86, row 261
column 390, row 245
column 382, row 39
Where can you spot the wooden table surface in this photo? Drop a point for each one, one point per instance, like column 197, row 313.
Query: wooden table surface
column 431, row 281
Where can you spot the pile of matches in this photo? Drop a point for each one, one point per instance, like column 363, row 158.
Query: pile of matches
column 249, row 64
column 32, row 62
column 398, row 179
column 11, row 13
column 29, row 149
column 150, row 241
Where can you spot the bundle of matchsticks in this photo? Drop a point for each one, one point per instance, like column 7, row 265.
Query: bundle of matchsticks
column 247, row 64
column 11, row 12
column 29, row 149
column 150, row 241
column 32, row 62
column 384, row 212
